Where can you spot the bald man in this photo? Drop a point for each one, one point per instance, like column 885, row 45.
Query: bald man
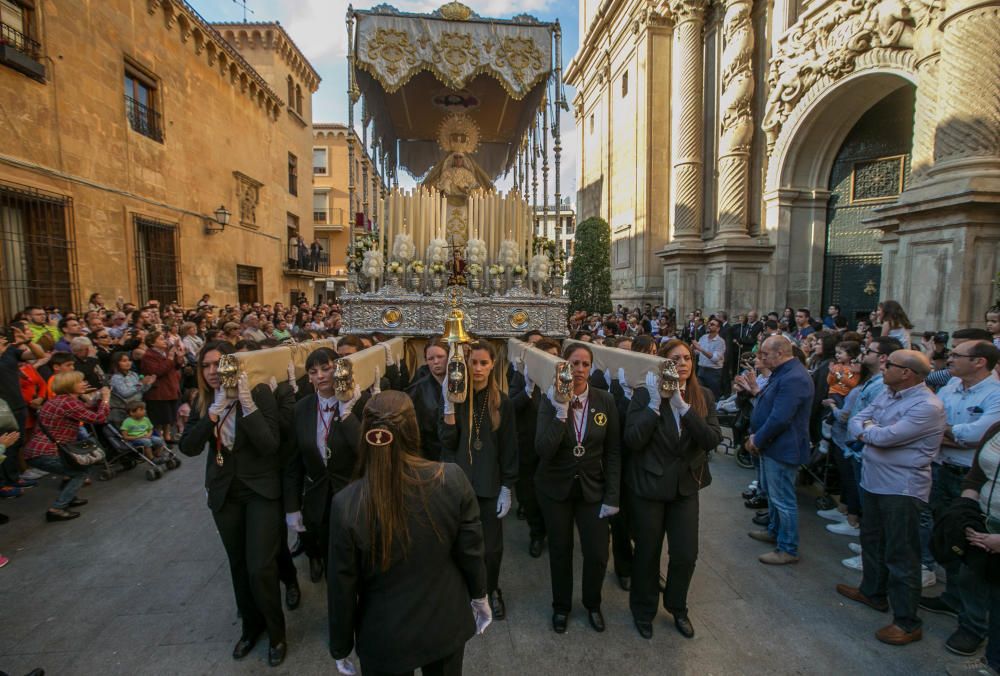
column 779, row 427
column 902, row 431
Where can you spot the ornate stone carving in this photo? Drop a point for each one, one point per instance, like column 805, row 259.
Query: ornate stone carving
column 248, row 197
column 829, row 45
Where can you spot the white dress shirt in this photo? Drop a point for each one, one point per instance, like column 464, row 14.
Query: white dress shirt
column 580, row 414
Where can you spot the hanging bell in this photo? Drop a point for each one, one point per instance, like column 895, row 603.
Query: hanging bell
column 454, row 328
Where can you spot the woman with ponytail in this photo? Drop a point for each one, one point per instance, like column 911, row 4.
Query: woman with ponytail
column 406, row 554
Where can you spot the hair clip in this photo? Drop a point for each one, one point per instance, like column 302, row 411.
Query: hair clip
column 378, row 437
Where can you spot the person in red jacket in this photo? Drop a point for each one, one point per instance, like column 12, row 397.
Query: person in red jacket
column 164, row 361
column 35, row 391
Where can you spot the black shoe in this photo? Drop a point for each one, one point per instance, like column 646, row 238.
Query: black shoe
column 78, row 502
column 559, row 622
column 293, row 596
column 756, row 502
column 298, row 548
column 4, row 519
column 683, row 624
column 521, row 516
column 596, row 618
column 625, row 582
column 645, row 628
column 934, row 604
column 762, row 519
column 536, row 546
column 497, row 605
column 60, row 515
column 749, row 493
column 276, row 653
column 244, row 646
column 315, row 570
column 963, row 642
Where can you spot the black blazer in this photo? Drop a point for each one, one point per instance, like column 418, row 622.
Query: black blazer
column 418, row 610
column 664, row 464
column 495, row 464
column 255, row 457
column 425, row 392
column 321, row 480
column 600, row 467
column 526, row 413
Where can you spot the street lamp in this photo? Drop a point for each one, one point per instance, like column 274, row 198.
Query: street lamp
column 221, row 221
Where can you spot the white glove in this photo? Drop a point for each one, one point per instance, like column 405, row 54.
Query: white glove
column 291, row 378
column 243, row 394
column 483, row 613
column 273, row 383
column 346, row 667
column 219, row 404
column 529, row 384
column 389, row 360
column 294, row 522
column 503, row 502
column 607, row 510
column 607, row 377
column 623, row 381
column 653, row 388
column 449, row 406
column 678, row 404
column 345, row 407
column 562, row 409
column 377, row 385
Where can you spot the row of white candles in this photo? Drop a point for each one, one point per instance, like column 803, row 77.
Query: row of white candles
column 423, row 214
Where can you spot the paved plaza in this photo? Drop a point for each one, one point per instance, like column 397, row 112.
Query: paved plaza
column 139, row 585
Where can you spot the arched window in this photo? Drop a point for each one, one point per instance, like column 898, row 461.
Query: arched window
column 298, row 99
column 291, row 92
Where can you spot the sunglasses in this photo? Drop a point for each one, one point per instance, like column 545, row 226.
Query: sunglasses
column 889, row 365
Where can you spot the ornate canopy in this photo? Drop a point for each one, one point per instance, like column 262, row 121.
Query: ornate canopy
column 414, row 70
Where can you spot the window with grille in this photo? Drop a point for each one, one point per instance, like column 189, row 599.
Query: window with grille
column 248, row 284
column 878, row 179
column 320, row 167
column 141, row 106
column 37, row 259
column 157, row 263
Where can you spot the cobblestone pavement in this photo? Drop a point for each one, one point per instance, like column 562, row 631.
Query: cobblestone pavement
column 139, row 585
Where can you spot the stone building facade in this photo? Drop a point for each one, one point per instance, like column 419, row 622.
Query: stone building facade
column 752, row 154
column 332, row 213
column 128, row 124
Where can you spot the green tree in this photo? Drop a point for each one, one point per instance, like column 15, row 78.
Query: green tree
column 590, row 275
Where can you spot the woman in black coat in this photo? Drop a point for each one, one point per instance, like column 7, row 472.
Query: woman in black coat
column 406, row 553
column 669, row 439
column 578, row 479
column 480, row 436
column 243, row 477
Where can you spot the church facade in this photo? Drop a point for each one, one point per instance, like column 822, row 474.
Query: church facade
column 750, row 154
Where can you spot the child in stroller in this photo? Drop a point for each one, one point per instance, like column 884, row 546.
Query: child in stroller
column 137, row 430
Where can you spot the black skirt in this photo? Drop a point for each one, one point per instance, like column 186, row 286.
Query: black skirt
column 162, row 412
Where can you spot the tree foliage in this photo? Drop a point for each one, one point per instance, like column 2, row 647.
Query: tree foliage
column 590, row 275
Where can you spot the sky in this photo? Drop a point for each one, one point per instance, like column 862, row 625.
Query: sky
column 318, row 28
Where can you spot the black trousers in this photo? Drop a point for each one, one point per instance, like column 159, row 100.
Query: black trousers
column 559, row 517
column 446, row 666
column 621, row 542
column 493, row 540
column 286, row 566
column 251, row 526
column 650, row 519
column 528, row 499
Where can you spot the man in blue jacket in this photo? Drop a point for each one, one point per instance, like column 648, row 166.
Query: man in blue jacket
column 780, row 434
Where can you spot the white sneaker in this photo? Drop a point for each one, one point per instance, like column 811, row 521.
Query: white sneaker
column 927, row 577
column 853, row 563
column 832, row 515
column 854, row 547
column 844, row 528
column 33, row 473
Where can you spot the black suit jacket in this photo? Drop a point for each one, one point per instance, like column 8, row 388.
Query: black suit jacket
column 665, row 464
column 322, row 480
column 600, row 467
column 526, row 412
column 255, row 458
column 495, row 464
column 425, row 392
column 418, row 610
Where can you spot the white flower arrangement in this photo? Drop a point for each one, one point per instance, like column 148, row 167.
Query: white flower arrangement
column 402, row 247
column 475, row 269
column 539, row 267
column 395, row 267
column 517, row 270
column 372, row 264
column 417, row 267
column 475, row 251
column 496, row 270
column 509, row 255
column 437, row 251
column 437, row 268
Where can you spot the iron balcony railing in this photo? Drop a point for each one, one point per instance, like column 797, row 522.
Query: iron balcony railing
column 334, row 216
column 19, row 41
column 144, row 119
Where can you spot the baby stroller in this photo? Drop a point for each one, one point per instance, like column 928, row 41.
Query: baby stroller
column 734, row 414
column 126, row 456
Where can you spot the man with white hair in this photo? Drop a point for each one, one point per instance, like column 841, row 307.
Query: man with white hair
column 902, row 431
column 86, row 362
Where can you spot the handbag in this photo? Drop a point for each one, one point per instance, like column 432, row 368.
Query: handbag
column 8, row 423
column 80, row 453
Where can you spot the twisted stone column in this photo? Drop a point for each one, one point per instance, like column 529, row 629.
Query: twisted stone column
column 736, row 105
column 968, row 107
column 687, row 192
